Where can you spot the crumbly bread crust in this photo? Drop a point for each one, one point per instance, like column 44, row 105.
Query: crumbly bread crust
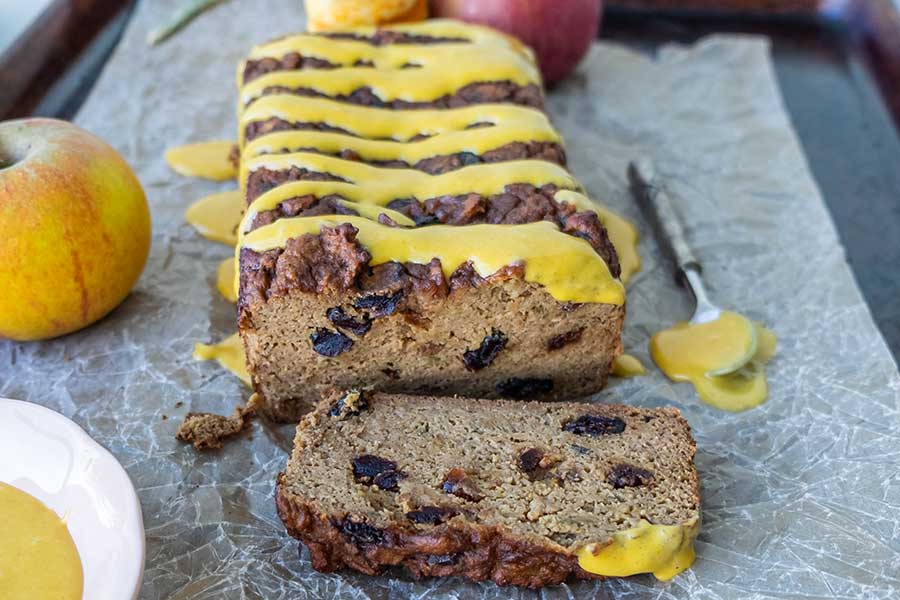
column 506, row 491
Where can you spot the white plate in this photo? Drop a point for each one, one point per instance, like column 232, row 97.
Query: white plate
column 54, row 460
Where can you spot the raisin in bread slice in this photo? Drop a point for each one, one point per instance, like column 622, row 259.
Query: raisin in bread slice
column 521, row 493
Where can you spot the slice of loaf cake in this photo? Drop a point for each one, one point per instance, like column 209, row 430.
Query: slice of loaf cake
column 440, row 250
column 521, row 493
column 521, row 311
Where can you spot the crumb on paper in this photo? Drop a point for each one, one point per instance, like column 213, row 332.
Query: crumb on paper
column 207, row 431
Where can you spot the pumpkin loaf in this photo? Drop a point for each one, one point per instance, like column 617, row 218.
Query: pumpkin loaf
column 404, row 232
column 521, row 493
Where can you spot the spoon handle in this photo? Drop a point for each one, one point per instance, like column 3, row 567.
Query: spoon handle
column 657, row 204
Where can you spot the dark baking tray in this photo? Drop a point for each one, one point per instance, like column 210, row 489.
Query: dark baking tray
column 830, row 85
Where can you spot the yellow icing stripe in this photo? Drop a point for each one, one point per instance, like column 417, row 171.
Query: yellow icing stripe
column 348, row 53
column 382, row 185
column 622, row 233
column 436, row 28
column 476, row 141
column 566, row 266
column 372, row 185
column 664, row 550
column 445, row 28
column 217, row 216
column 229, row 353
column 371, row 211
column 398, row 125
column 410, row 85
column 368, row 185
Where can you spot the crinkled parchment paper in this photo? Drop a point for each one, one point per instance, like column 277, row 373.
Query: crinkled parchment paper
column 801, row 497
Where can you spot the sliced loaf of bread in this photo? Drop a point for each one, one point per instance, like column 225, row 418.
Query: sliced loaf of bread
column 520, row 493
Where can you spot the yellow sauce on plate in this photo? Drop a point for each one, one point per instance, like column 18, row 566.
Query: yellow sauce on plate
column 38, row 559
column 207, row 160
column 664, row 550
column 694, row 353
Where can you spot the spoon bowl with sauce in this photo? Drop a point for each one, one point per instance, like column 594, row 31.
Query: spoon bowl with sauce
column 720, row 352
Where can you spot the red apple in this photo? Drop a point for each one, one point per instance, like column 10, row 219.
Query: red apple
column 559, row 31
column 75, row 228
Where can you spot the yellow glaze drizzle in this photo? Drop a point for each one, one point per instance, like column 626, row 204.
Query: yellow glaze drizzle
column 446, row 28
column 216, row 216
column 409, row 85
column 208, row 160
column 387, row 185
column 438, row 28
column 691, row 352
column 664, row 550
column 38, row 559
column 348, row 52
column 397, row 125
column 622, row 233
column 371, row 211
column 626, row 365
column 372, row 185
column 225, row 275
column 566, row 266
column 229, row 353
column 381, row 134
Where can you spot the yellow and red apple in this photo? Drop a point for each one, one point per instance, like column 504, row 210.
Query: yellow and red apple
column 559, row 31
column 74, row 228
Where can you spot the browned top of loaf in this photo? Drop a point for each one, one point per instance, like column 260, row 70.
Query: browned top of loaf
column 559, row 474
column 474, row 93
column 295, row 60
column 334, row 261
column 519, row 203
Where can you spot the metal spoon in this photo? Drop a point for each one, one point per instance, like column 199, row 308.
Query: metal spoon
column 657, row 204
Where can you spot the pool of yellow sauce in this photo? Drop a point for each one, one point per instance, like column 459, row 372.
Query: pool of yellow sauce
column 229, row 353
column 38, row 559
column 626, row 365
column 225, row 279
column 207, row 160
column 216, row 216
column 691, row 353
column 664, row 550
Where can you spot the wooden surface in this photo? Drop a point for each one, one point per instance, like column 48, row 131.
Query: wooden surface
column 48, row 49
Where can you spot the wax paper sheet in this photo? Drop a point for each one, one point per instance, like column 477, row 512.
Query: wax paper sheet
column 801, row 496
